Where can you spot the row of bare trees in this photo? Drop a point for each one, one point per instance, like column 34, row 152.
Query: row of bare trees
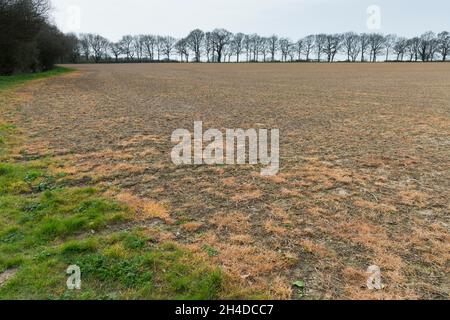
column 29, row 42
column 221, row 45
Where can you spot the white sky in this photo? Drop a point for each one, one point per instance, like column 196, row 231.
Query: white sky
column 290, row 18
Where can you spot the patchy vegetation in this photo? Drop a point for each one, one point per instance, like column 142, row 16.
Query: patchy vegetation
column 47, row 224
column 6, row 82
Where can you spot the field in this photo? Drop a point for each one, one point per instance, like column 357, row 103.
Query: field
column 364, row 179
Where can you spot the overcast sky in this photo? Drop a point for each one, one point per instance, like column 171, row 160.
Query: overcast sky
column 290, row 18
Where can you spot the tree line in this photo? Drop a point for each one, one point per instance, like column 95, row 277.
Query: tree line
column 221, row 45
column 28, row 42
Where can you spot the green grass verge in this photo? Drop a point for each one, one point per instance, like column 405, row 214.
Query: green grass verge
column 6, row 82
column 46, row 226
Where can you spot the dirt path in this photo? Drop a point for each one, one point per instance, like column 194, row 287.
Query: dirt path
column 365, row 175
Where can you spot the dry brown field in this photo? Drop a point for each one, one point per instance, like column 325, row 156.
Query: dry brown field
column 364, row 179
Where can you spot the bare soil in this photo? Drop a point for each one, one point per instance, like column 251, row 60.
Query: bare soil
column 365, row 166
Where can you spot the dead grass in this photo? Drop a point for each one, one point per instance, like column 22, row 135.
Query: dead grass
column 192, row 226
column 144, row 209
column 247, row 196
column 233, row 221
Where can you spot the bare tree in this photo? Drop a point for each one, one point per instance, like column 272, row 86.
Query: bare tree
column 159, row 46
column 167, row 46
column 116, row 50
column 208, row 46
column 253, row 46
column 364, row 45
column 331, row 46
column 258, row 46
column 182, row 49
column 256, row 41
column 350, row 43
column 273, row 46
column 126, row 44
column 220, row 38
column 39, row 8
column 85, row 46
column 413, row 46
column 400, row 47
column 308, row 45
column 227, row 53
column 376, row 45
column 106, row 49
column 237, row 45
column 389, row 42
column 319, row 42
column 74, row 55
column 410, row 50
column 265, row 48
column 149, row 43
column 356, row 49
column 138, row 46
column 291, row 51
column 427, row 46
column 337, row 45
column 194, row 42
column 286, row 48
column 433, row 48
column 247, row 46
column 444, row 44
column 98, row 45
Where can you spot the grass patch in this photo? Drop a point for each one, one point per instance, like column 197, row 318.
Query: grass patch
column 43, row 231
column 6, row 82
column 111, row 269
